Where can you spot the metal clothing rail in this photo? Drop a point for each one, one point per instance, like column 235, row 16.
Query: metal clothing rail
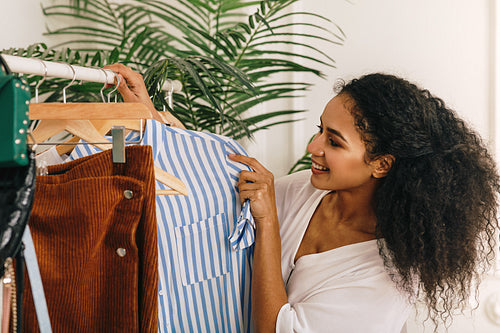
column 61, row 70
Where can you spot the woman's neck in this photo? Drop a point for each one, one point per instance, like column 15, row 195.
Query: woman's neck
column 354, row 212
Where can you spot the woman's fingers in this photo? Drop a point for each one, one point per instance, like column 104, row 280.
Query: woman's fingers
column 253, row 186
column 250, row 161
column 258, row 187
column 250, row 176
column 132, row 87
column 123, row 88
column 259, row 174
column 131, row 75
column 127, row 94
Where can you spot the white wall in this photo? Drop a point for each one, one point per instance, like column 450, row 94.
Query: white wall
column 22, row 23
column 444, row 45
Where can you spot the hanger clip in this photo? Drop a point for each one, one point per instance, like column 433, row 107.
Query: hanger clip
column 118, row 134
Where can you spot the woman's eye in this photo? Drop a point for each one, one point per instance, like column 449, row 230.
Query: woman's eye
column 333, row 143
column 330, row 141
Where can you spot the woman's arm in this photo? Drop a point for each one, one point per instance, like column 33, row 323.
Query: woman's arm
column 268, row 290
column 133, row 90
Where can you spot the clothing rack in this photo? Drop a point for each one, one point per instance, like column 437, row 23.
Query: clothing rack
column 41, row 67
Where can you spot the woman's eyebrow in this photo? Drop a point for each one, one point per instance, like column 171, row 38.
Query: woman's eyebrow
column 334, row 132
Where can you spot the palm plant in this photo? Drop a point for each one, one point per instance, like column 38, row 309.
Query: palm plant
column 226, row 58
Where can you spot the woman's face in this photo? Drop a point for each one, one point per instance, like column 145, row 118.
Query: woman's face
column 338, row 152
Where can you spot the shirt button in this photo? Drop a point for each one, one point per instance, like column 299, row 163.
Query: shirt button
column 128, row 194
column 121, row 252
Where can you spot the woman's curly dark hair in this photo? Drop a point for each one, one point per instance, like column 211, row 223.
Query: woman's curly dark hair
column 437, row 207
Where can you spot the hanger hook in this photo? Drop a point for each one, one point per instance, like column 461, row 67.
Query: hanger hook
column 42, row 80
column 116, row 87
column 105, row 84
column 35, row 144
column 73, row 80
column 169, row 95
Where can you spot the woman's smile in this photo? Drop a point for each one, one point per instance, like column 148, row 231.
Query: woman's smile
column 317, row 168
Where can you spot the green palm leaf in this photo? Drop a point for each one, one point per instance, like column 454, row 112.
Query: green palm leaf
column 226, row 58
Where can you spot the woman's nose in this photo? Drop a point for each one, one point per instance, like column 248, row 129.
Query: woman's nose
column 315, row 147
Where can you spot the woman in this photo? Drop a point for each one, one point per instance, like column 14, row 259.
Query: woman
column 400, row 204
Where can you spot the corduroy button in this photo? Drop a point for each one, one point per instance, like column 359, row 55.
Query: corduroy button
column 121, row 252
column 128, row 194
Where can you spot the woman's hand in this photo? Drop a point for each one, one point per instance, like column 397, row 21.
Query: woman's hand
column 132, row 87
column 258, row 187
column 133, row 90
column 268, row 290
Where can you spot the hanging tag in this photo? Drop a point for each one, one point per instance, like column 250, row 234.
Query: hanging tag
column 6, row 292
column 118, row 134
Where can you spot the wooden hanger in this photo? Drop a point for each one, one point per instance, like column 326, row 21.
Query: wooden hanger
column 76, row 118
column 103, row 127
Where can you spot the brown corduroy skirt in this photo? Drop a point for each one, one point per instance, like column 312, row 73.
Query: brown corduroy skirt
column 93, row 224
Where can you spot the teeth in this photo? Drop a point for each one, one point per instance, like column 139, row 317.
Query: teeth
column 319, row 167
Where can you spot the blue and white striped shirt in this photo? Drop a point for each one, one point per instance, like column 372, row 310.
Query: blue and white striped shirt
column 205, row 249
